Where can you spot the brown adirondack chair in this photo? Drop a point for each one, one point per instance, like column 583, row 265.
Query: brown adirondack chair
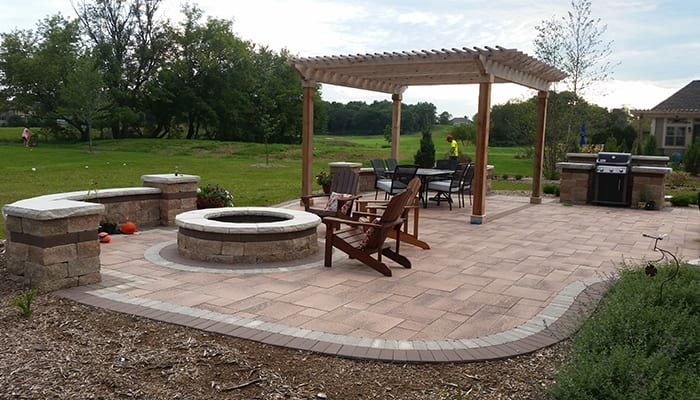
column 344, row 185
column 362, row 239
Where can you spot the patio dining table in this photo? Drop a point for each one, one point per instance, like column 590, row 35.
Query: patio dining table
column 429, row 174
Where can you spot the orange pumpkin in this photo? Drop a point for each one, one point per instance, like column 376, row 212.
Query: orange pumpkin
column 104, row 237
column 128, row 227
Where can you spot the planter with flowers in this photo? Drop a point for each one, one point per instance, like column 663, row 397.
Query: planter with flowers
column 324, row 180
column 213, row 196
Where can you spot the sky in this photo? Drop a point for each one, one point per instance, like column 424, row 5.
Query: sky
column 655, row 43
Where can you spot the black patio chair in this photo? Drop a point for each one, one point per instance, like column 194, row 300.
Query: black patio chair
column 380, row 174
column 402, row 175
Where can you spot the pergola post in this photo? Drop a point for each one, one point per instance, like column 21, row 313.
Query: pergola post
column 395, row 124
column 482, row 142
column 536, row 197
column 307, row 137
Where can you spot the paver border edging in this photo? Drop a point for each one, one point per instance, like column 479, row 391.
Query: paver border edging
column 556, row 322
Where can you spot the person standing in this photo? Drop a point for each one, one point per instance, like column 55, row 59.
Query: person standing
column 454, row 150
column 25, row 136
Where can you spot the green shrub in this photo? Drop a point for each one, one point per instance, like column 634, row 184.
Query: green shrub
column 691, row 158
column 649, row 146
column 678, row 178
column 638, row 344
column 684, row 198
column 518, row 177
column 551, row 188
column 425, row 156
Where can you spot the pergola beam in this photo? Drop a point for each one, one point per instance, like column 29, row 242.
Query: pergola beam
column 393, row 72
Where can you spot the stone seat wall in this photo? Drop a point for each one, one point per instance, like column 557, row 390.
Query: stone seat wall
column 52, row 239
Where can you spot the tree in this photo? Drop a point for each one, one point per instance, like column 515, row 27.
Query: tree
column 444, row 118
column 34, row 65
column 513, row 123
column 425, row 156
column 575, row 45
column 83, row 99
column 129, row 44
column 425, row 115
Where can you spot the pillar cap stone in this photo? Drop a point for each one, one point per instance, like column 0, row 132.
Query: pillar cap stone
column 170, row 178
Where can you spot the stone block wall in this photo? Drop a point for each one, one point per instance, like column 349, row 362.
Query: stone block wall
column 647, row 175
column 575, row 185
column 52, row 240
column 179, row 194
column 53, row 254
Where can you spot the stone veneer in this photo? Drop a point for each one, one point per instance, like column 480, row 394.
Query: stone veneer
column 291, row 237
column 647, row 173
column 52, row 240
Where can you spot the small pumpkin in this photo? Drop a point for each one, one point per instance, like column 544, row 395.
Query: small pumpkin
column 128, row 227
column 104, row 237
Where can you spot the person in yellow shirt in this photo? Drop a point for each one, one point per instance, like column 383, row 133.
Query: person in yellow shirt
column 454, row 150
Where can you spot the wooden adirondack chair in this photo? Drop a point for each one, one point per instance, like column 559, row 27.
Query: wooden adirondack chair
column 344, row 185
column 362, row 239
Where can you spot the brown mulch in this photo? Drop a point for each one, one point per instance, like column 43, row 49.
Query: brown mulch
column 66, row 350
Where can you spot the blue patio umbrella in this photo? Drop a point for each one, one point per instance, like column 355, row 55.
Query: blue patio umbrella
column 582, row 132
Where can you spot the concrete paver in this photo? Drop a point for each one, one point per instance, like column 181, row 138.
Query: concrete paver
column 523, row 280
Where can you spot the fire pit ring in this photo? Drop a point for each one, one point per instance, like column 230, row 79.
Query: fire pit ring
column 246, row 235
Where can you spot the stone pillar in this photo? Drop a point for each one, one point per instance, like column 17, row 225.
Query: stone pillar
column 53, row 248
column 575, row 182
column 337, row 166
column 178, row 194
column 648, row 184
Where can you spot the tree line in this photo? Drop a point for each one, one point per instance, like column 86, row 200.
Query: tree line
column 119, row 67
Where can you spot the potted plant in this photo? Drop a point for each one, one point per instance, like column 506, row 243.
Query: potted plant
column 108, row 225
column 324, row 179
column 213, row 196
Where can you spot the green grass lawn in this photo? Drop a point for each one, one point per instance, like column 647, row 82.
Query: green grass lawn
column 239, row 167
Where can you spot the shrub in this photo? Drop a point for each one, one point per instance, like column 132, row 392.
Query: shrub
column 649, row 147
column 691, row 158
column 551, row 188
column 638, row 344
column 684, row 198
column 425, row 156
column 213, row 196
column 678, row 178
column 518, row 177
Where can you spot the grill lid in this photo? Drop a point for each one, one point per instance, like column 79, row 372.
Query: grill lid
column 608, row 158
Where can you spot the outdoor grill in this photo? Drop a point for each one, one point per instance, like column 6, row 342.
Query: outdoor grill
column 612, row 179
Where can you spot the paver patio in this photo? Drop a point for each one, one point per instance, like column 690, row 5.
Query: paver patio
column 521, row 281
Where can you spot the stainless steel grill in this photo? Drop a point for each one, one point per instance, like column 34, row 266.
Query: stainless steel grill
column 611, row 180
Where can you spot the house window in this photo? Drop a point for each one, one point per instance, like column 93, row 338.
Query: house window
column 675, row 132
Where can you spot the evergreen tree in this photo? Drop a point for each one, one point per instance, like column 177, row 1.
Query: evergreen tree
column 425, row 156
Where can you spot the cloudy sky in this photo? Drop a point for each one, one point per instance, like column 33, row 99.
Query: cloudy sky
column 656, row 43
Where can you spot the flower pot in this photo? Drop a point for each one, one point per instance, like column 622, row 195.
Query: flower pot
column 326, row 188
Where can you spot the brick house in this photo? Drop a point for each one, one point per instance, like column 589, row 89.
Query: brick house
column 675, row 121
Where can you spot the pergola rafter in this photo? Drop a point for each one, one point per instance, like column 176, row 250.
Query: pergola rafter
column 394, row 72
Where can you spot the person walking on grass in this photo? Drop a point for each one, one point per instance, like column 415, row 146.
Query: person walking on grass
column 25, row 136
column 454, row 150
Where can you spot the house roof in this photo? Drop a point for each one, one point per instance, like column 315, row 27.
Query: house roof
column 394, row 72
column 683, row 102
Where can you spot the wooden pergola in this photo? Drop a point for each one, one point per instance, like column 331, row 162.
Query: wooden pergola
column 393, row 73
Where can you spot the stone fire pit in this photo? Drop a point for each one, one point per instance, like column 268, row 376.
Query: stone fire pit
column 246, row 235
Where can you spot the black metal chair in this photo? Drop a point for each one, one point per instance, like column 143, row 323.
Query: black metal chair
column 445, row 187
column 465, row 185
column 380, row 174
column 391, row 164
column 402, row 175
